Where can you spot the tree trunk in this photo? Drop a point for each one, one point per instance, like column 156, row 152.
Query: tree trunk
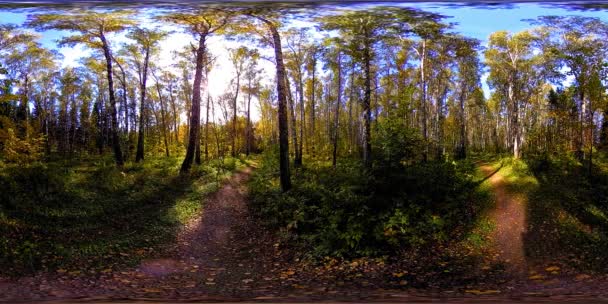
column 294, row 133
column 367, row 146
column 196, row 106
column 139, row 154
column 302, row 118
column 423, row 102
column 312, row 106
column 115, row 138
column 162, row 115
column 462, row 146
column 207, row 127
column 337, row 113
column 282, row 107
column 248, row 131
column 234, row 116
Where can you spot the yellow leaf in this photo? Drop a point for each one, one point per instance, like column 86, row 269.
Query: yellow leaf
column 552, row 269
column 537, row 277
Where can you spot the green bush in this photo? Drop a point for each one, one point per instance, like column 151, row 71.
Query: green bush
column 349, row 211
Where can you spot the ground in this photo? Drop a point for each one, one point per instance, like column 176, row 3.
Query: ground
column 223, row 254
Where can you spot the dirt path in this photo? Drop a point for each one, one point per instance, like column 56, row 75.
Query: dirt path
column 509, row 216
column 221, row 254
column 224, row 255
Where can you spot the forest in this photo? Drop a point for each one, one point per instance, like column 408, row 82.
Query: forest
column 301, row 152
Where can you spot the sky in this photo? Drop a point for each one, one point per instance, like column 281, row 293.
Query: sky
column 476, row 22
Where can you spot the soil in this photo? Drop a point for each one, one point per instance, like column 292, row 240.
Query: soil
column 224, row 254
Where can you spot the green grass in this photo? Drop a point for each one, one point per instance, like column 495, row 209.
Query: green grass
column 91, row 215
column 567, row 211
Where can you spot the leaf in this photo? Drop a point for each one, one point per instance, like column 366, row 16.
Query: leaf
column 399, row 274
column 582, row 277
column 552, row 269
column 482, row 292
column 537, row 277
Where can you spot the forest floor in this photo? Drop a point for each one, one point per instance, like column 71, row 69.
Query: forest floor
column 224, row 255
column 509, row 217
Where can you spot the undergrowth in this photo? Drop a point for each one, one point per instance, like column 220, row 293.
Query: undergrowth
column 93, row 215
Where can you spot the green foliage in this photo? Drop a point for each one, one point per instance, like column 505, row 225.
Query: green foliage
column 92, row 214
column 350, row 211
column 23, row 151
column 567, row 210
column 393, row 142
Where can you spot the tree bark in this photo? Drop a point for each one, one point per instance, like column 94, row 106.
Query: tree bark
column 115, row 138
column 282, row 110
column 367, row 115
column 294, row 134
column 337, row 113
column 196, row 106
column 139, row 154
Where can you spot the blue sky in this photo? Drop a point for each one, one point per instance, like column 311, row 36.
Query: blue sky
column 476, row 22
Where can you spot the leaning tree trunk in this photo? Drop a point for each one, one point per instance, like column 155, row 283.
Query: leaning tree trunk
column 196, row 106
column 163, row 117
column 115, row 139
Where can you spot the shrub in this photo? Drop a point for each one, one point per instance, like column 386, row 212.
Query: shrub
column 350, row 211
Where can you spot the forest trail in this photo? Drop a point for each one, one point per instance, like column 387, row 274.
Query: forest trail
column 224, row 255
column 509, row 216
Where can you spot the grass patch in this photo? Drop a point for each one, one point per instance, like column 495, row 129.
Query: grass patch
column 91, row 215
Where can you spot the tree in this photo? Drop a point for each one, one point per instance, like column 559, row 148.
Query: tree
column 200, row 24
column 576, row 42
column 271, row 20
column 252, row 72
column 91, row 28
column 469, row 67
column 515, row 72
column 146, row 45
column 297, row 41
column 361, row 31
column 238, row 58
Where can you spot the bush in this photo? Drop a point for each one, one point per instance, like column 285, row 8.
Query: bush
column 22, row 151
column 349, row 211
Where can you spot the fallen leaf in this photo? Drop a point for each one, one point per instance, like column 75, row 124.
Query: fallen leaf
column 537, row 277
column 482, row 292
column 582, row 277
column 552, row 269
